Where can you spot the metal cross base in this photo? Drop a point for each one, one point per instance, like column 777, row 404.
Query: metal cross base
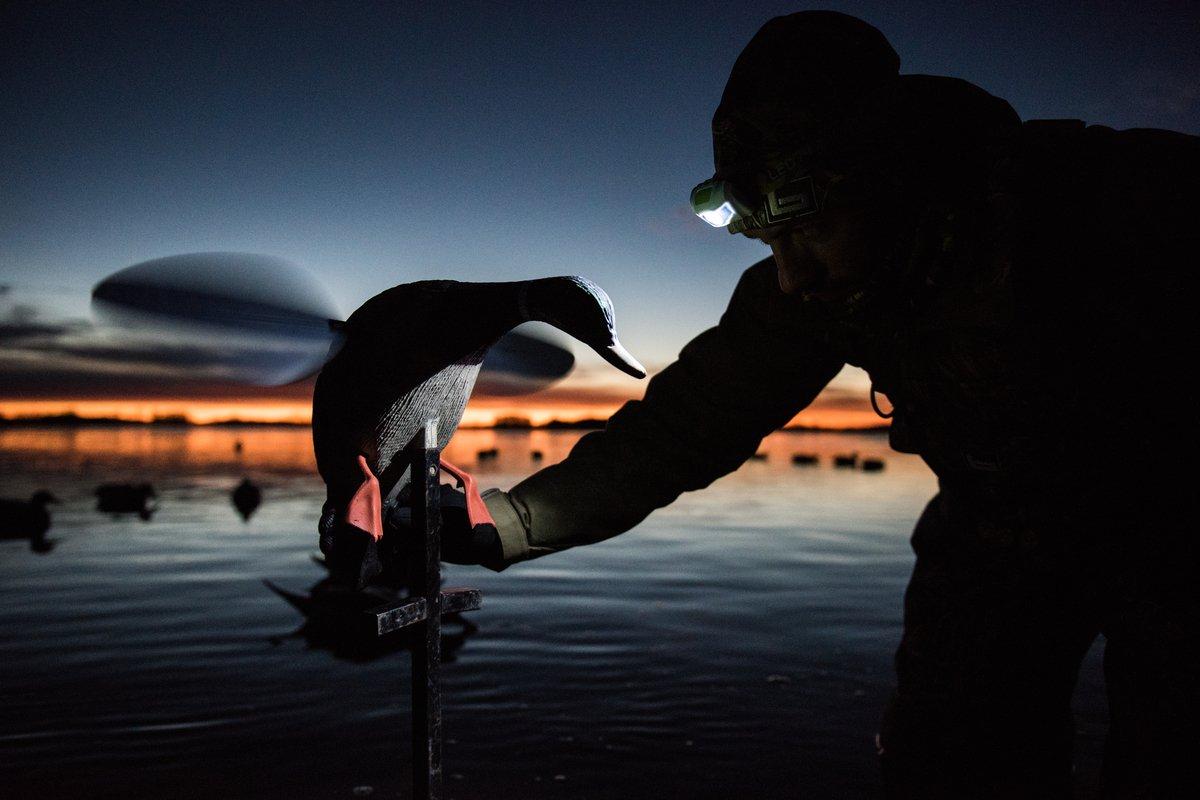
column 425, row 607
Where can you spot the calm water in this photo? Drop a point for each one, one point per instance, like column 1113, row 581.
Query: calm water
column 736, row 644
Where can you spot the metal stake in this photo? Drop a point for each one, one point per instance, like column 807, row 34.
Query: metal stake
column 425, row 607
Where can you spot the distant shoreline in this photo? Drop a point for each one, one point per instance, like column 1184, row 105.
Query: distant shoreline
column 75, row 421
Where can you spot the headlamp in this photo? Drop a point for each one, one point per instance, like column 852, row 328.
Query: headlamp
column 722, row 204
column 719, row 203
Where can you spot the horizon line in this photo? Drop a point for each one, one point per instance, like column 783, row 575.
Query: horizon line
column 506, row 423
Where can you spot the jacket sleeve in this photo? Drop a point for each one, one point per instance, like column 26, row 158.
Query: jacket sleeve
column 701, row 417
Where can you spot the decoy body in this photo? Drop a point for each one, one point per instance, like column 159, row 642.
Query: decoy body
column 414, row 352
column 247, row 497
column 27, row 519
column 126, row 498
column 845, row 460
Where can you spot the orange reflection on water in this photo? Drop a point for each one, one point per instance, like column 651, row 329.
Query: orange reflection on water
column 134, row 452
column 198, row 412
column 481, row 412
column 77, row 459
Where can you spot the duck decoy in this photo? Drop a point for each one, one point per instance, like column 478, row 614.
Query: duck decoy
column 804, row 459
column 28, row 519
column 488, row 454
column 846, row 460
column 412, row 353
column 247, row 497
column 537, row 455
column 127, row 498
column 872, row 465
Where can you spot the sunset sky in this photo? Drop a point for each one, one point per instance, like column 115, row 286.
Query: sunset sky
column 381, row 143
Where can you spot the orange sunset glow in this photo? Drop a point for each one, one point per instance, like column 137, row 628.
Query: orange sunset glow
column 482, row 412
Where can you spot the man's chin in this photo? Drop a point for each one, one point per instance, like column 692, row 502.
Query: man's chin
column 819, row 294
column 828, row 294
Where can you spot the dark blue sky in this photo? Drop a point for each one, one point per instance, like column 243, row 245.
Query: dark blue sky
column 378, row 143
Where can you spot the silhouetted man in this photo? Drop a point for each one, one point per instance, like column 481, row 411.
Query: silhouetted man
column 1022, row 294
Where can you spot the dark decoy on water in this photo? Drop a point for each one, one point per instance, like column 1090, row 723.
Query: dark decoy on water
column 247, row 497
column 488, row 454
column 127, row 498
column 28, row 519
column 413, row 352
column 537, row 455
column 804, row 459
column 872, row 465
column 847, row 460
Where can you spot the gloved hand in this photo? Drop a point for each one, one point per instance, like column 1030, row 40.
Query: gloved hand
column 352, row 555
column 462, row 543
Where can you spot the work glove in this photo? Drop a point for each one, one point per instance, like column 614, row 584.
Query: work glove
column 462, row 541
column 353, row 555
column 355, row 558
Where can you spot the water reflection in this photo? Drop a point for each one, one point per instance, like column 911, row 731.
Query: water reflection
column 130, row 452
column 140, row 656
column 337, row 620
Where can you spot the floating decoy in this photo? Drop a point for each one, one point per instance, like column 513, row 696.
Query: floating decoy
column 804, row 459
column 28, row 519
column 127, row 498
column 537, row 455
column 413, row 352
column 488, row 454
column 872, row 465
column 846, row 460
column 247, row 497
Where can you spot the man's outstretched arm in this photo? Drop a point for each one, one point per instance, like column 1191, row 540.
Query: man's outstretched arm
column 701, row 418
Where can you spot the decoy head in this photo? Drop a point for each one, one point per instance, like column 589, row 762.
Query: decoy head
column 42, row 497
column 579, row 307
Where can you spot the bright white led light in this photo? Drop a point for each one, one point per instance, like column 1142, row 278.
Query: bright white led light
column 717, row 217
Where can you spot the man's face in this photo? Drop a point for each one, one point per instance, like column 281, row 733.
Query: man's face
column 827, row 256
